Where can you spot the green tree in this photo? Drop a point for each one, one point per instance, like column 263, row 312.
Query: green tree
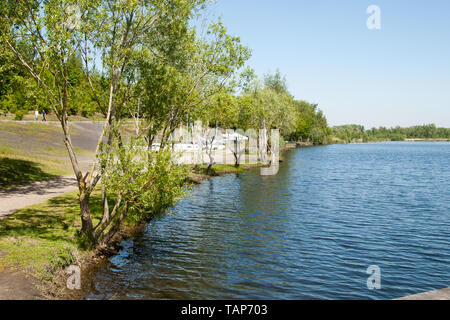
column 120, row 31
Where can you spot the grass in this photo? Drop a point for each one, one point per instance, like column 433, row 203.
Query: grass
column 15, row 171
column 219, row 169
column 29, row 116
column 42, row 238
column 32, row 152
column 35, row 129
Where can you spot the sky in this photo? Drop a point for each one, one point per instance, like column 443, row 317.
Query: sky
column 397, row 75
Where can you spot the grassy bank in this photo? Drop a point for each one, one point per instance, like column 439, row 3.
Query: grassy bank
column 33, row 152
column 29, row 116
column 15, row 171
column 42, row 239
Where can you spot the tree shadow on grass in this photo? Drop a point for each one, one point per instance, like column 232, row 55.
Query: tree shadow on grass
column 57, row 219
column 14, row 172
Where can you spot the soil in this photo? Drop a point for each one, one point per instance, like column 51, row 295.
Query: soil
column 14, row 285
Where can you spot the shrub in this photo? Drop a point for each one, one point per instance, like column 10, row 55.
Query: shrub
column 19, row 114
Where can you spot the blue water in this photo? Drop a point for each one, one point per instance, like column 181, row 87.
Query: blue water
column 309, row 232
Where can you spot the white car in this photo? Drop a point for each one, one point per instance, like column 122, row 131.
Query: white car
column 186, row 147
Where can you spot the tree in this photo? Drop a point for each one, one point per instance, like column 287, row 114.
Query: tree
column 207, row 139
column 120, row 31
column 191, row 83
column 276, row 82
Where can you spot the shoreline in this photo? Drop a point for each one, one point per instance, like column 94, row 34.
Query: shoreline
column 23, row 286
column 382, row 141
column 100, row 256
column 30, row 287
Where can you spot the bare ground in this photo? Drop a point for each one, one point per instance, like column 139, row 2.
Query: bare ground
column 14, row 285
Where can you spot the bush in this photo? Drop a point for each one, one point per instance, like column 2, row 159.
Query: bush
column 87, row 110
column 398, row 137
column 317, row 136
column 19, row 115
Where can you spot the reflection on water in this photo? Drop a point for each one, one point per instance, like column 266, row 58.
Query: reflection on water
column 309, row 232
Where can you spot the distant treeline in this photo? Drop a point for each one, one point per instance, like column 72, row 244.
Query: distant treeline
column 354, row 132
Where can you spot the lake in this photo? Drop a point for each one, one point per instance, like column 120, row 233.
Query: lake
column 309, row 232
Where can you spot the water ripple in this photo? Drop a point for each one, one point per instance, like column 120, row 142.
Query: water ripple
column 309, row 232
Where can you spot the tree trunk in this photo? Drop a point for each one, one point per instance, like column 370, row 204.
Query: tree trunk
column 116, row 226
column 86, row 222
column 236, row 153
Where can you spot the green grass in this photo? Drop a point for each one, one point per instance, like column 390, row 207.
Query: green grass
column 15, row 171
column 219, row 169
column 29, row 116
column 227, row 168
column 35, row 130
column 43, row 238
column 32, row 152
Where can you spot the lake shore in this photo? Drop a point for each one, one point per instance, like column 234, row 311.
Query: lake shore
column 100, row 256
column 388, row 140
column 28, row 285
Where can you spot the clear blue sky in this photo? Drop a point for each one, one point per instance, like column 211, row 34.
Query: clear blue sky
column 399, row 75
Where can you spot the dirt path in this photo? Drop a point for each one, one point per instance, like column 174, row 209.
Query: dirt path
column 34, row 193
column 15, row 286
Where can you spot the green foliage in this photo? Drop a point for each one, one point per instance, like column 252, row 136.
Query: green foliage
column 223, row 111
column 19, row 114
column 64, row 257
column 271, row 106
column 275, row 82
column 149, row 182
column 154, row 66
column 351, row 133
column 311, row 124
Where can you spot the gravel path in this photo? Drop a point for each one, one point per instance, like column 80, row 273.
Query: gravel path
column 34, row 193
